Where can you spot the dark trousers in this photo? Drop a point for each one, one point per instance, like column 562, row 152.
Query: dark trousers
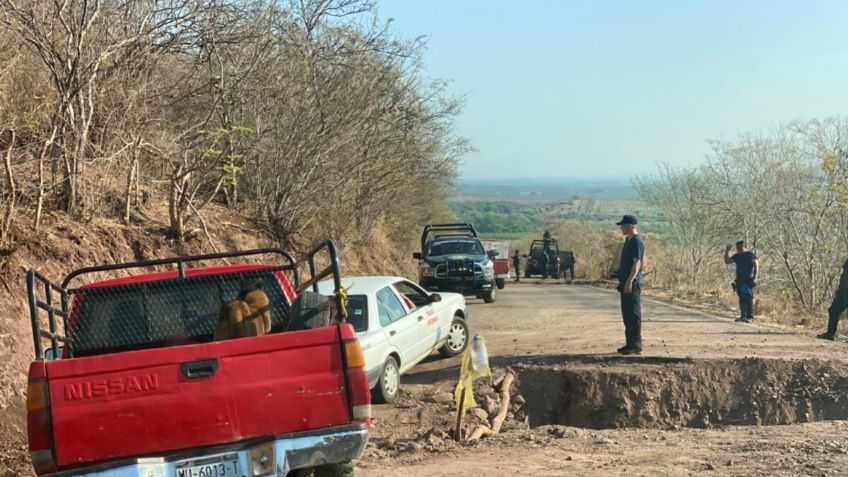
column 746, row 306
column 631, row 312
column 840, row 304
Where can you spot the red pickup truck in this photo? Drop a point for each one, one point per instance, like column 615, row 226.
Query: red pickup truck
column 128, row 381
column 501, row 261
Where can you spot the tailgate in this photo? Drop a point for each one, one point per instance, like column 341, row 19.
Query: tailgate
column 142, row 402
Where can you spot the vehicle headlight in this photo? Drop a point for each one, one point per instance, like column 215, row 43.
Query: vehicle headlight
column 489, row 269
column 428, row 272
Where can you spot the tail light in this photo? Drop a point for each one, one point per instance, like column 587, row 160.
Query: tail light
column 353, row 352
column 39, row 425
column 360, row 392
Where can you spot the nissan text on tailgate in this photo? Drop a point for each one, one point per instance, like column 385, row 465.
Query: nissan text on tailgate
column 128, row 380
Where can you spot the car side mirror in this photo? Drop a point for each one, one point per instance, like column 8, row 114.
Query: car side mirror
column 435, row 297
column 492, row 253
column 417, row 256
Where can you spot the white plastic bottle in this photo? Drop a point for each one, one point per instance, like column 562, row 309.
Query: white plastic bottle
column 479, row 356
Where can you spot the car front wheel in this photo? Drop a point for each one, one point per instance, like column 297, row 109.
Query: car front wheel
column 457, row 338
column 491, row 295
column 387, row 388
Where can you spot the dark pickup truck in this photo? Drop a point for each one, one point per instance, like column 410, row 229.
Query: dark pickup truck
column 128, row 381
column 453, row 259
column 559, row 262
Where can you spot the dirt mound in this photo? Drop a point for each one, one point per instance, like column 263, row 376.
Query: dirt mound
column 423, row 418
column 652, row 393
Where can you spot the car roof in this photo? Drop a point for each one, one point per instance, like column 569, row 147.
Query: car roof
column 361, row 285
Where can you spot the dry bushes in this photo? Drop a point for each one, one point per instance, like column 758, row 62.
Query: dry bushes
column 311, row 117
column 786, row 193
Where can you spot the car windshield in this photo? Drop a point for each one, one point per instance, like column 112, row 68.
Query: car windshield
column 455, row 247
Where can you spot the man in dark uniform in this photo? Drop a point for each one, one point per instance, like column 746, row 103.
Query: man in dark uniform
column 630, row 285
column 516, row 265
column 839, row 305
column 747, row 268
column 546, row 253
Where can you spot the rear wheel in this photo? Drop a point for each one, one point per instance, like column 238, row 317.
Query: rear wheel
column 491, row 295
column 457, row 338
column 500, row 282
column 343, row 469
column 388, row 386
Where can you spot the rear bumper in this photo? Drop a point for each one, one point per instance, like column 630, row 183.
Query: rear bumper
column 293, row 451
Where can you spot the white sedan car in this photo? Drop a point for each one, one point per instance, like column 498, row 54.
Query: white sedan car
column 399, row 324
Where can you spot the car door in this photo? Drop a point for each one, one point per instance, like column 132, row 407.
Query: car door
column 399, row 326
column 430, row 328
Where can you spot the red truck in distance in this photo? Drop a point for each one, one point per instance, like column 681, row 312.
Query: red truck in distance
column 501, row 260
column 128, row 381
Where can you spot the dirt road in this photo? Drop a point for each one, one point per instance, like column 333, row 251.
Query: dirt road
column 708, row 396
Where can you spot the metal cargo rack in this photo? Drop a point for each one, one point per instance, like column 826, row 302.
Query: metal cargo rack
column 454, row 230
column 134, row 303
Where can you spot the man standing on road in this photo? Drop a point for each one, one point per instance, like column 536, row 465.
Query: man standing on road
column 747, row 268
column 839, row 305
column 516, row 265
column 630, row 285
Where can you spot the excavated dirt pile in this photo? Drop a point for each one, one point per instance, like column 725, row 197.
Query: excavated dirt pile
column 655, row 393
column 423, row 418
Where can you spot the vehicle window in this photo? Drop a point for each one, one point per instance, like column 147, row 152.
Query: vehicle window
column 389, row 307
column 143, row 315
column 413, row 293
column 357, row 310
column 455, row 247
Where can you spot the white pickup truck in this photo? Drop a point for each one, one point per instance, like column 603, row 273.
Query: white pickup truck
column 399, row 324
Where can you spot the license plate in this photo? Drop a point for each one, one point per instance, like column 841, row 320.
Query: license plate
column 220, row 466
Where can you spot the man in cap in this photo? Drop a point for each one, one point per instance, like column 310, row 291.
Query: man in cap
column 839, row 305
column 747, row 269
column 630, row 284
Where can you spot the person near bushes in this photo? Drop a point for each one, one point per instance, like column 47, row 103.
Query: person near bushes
column 747, row 268
column 839, row 305
column 630, row 284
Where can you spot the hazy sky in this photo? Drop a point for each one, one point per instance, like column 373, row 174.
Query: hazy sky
column 608, row 88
